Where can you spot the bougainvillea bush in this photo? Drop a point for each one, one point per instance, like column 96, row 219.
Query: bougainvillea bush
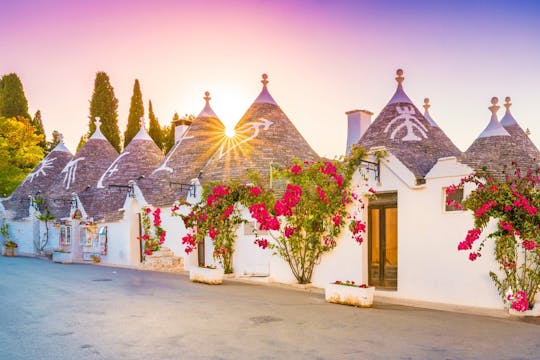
column 154, row 235
column 304, row 221
column 513, row 202
column 216, row 216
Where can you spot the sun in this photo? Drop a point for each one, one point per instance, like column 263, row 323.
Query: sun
column 229, row 132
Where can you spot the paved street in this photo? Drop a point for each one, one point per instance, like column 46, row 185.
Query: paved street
column 52, row 311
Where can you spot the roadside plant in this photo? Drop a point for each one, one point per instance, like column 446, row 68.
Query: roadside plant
column 512, row 201
column 304, row 222
column 351, row 283
column 154, row 235
column 7, row 242
column 217, row 216
column 44, row 215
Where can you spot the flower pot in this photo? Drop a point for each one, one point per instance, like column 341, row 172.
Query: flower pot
column 8, row 251
column 535, row 311
column 62, row 257
column 206, row 275
column 349, row 295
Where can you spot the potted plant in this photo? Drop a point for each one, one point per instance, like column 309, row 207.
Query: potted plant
column 348, row 293
column 9, row 245
column 207, row 274
column 62, row 256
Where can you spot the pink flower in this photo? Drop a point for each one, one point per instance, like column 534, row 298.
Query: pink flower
column 507, row 208
column 484, row 208
column 520, row 302
column 473, row 256
column 271, row 223
column 321, row 193
column 529, row 245
column 255, row 191
column 472, row 236
column 339, row 180
column 329, row 168
column 147, row 210
column 210, row 200
column 358, row 227
column 221, row 190
column 228, row 211
column 262, row 243
column 281, row 208
column 212, row 233
column 289, row 231
column 296, row 169
column 372, row 190
column 336, row 220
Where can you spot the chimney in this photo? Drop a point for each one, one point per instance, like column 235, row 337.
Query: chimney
column 180, row 126
column 358, row 122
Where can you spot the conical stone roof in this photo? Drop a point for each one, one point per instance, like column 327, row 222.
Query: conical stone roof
column 495, row 149
column 511, row 125
column 39, row 182
column 263, row 136
column 136, row 162
column 168, row 182
column 81, row 173
column 408, row 135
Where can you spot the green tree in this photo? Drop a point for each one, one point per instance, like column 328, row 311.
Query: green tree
column 154, row 129
column 105, row 105
column 136, row 111
column 12, row 99
column 54, row 141
column 19, row 152
column 168, row 134
column 37, row 123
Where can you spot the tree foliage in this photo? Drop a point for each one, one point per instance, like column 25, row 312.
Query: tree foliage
column 19, row 152
column 136, row 111
column 105, row 105
column 13, row 102
column 37, row 123
column 54, row 141
column 154, row 129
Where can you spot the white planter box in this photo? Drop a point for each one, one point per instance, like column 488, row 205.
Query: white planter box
column 62, row 257
column 535, row 311
column 349, row 295
column 206, row 276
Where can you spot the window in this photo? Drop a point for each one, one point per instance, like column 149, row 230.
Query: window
column 252, row 228
column 452, row 202
column 65, row 236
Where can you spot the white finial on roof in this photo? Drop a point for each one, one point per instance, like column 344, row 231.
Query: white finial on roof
column 399, row 95
column 264, row 96
column 427, row 115
column 142, row 134
column 508, row 119
column 141, row 123
column 207, row 111
column 494, row 127
column 494, row 107
column 60, row 146
column 97, row 133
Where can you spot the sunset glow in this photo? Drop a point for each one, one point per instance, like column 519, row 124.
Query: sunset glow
column 322, row 57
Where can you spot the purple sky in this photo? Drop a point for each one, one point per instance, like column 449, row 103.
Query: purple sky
column 323, row 58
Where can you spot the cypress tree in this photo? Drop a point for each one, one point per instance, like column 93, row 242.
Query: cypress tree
column 168, row 134
column 136, row 111
column 37, row 123
column 13, row 102
column 154, row 129
column 105, row 105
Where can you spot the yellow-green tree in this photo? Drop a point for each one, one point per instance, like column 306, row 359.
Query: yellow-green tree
column 19, row 152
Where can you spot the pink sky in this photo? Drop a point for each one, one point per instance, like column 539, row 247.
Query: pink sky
column 323, row 58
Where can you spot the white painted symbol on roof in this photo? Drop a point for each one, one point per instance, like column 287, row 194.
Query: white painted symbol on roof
column 45, row 164
column 256, row 126
column 409, row 122
column 71, row 170
column 111, row 170
column 164, row 166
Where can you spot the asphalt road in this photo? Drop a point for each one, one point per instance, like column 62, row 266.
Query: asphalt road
column 53, row 311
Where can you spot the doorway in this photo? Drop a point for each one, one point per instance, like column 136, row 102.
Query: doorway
column 383, row 241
